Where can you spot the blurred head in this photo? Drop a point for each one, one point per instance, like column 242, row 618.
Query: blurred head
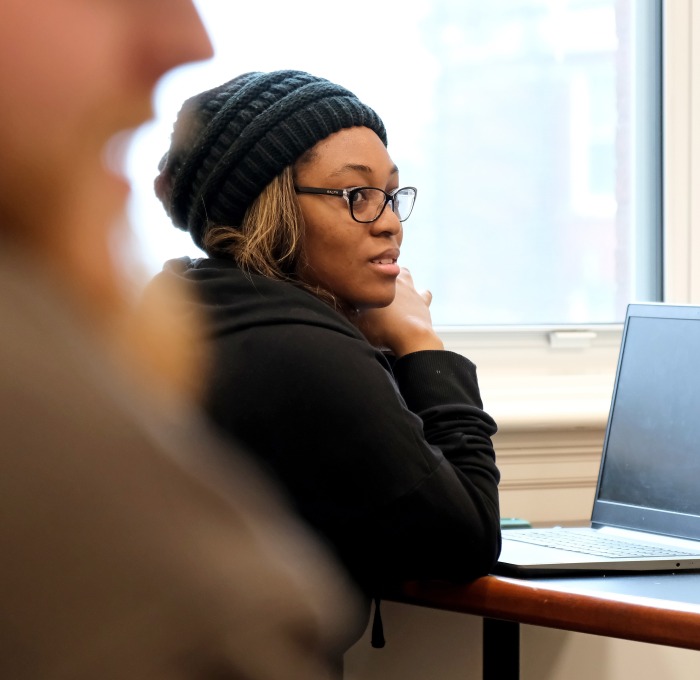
column 73, row 74
column 237, row 153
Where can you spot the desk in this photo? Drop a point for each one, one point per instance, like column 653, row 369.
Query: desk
column 658, row 608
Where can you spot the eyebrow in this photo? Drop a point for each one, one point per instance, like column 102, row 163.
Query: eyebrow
column 358, row 167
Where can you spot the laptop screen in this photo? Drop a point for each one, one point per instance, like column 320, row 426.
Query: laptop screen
column 650, row 477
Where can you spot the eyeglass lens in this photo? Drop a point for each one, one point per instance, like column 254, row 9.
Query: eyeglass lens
column 367, row 203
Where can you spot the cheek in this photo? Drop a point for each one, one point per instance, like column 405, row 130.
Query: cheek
column 49, row 50
column 329, row 248
column 83, row 76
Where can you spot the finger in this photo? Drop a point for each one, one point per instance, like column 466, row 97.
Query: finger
column 427, row 296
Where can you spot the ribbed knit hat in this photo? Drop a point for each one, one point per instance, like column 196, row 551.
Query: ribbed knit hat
column 230, row 142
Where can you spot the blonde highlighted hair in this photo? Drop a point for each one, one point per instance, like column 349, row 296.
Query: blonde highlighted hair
column 270, row 239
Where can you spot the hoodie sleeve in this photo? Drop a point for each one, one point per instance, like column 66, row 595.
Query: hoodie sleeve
column 398, row 474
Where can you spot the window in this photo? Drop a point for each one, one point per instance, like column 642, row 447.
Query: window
column 532, row 129
column 525, row 125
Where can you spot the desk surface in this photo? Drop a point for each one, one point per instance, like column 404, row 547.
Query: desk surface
column 659, row 608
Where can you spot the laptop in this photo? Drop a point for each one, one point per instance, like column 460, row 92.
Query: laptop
column 646, row 511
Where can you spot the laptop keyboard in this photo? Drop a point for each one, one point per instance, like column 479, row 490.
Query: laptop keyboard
column 591, row 543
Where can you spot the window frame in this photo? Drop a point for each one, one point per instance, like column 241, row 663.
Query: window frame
column 681, row 152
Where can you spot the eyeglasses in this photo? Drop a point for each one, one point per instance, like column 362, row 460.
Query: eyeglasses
column 366, row 204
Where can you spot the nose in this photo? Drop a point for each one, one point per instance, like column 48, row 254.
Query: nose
column 387, row 222
column 176, row 34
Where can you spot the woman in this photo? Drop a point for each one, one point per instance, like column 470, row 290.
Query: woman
column 285, row 181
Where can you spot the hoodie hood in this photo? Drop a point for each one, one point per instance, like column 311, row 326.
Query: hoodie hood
column 231, row 300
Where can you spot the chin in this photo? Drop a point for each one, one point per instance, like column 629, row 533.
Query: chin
column 373, row 298
column 377, row 303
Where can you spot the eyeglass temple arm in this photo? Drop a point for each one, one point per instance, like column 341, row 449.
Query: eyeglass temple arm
column 316, row 190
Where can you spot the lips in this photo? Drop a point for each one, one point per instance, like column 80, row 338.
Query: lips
column 387, row 257
column 385, row 264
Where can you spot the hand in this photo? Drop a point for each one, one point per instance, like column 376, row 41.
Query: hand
column 404, row 326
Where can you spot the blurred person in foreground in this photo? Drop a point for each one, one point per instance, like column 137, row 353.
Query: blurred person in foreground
column 131, row 547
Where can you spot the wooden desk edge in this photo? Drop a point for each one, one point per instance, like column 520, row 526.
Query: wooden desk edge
column 532, row 603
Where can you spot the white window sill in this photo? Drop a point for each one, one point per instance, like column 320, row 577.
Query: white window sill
column 542, row 378
column 548, row 402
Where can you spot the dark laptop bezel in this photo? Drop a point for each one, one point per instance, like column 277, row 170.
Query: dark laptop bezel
column 620, row 514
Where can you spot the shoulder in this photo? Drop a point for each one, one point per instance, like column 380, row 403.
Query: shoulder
column 234, row 301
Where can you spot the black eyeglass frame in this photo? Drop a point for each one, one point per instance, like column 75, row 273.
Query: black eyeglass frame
column 348, row 195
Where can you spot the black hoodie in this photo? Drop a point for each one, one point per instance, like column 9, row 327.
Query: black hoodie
column 392, row 463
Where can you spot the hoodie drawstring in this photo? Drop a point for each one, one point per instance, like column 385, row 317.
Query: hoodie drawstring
column 377, row 627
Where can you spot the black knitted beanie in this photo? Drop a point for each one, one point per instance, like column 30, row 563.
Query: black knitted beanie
column 230, row 142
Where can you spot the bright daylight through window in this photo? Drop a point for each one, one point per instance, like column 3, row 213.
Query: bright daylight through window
column 531, row 129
